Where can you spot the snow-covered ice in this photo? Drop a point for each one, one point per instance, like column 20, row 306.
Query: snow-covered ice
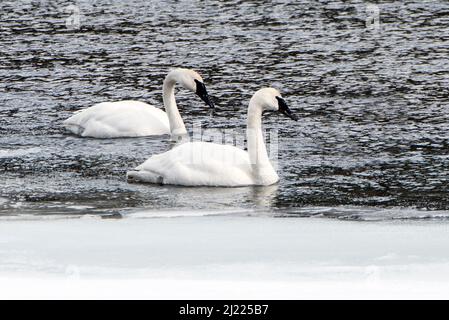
column 222, row 256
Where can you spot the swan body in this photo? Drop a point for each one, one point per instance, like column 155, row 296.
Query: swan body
column 210, row 164
column 217, row 165
column 135, row 118
column 119, row 119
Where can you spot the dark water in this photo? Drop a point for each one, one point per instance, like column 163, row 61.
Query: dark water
column 373, row 101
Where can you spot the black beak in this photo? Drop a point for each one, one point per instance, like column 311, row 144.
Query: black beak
column 284, row 109
column 202, row 93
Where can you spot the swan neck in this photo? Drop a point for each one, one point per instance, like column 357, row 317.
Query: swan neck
column 177, row 126
column 258, row 155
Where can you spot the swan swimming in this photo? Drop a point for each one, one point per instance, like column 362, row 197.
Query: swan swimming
column 211, row 164
column 139, row 119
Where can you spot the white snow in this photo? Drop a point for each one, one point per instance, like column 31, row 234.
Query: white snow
column 226, row 257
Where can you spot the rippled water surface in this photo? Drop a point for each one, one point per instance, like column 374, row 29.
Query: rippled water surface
column 373, row 138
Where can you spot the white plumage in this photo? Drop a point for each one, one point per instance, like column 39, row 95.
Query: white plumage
column 197, row 164
column 119, row 119
column 135, row 118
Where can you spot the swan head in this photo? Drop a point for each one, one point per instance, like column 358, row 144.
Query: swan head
column 191, row 80
column 270, row 99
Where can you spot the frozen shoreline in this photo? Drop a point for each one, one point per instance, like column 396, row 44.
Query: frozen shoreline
column 228, row 257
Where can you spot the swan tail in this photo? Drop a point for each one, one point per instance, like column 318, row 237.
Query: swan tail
column 73, row 127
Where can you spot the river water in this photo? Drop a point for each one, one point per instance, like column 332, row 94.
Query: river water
column 369, row 83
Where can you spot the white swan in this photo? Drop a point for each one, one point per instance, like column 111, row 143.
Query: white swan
column 138, row 119
column 210, row 164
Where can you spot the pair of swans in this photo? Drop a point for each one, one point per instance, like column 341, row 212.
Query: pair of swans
column 193, row 163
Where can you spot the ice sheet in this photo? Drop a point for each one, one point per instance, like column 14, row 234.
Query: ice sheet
column 223, row 257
